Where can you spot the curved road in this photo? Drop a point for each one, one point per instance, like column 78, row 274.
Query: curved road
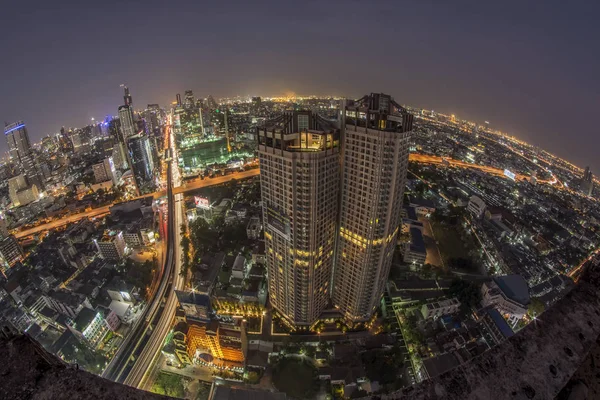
column 137, row 341
column 163, row 323
column 101, row 211
column 202, row 183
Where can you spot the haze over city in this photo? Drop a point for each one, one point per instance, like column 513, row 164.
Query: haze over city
column 524, row 67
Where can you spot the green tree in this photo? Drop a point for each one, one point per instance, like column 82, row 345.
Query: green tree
column 420, row 188
column 203, row 237
column 253, row 377
column 536, row 307
column 169, row 385
column 87, row 179
column 468, row 293
column 185, row 255
column 357, row 394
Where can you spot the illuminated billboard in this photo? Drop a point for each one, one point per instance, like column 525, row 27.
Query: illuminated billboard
column 278, row 221
column 509, row 174
column 202, row 202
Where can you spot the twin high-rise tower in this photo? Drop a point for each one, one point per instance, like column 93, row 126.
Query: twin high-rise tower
column 300, row 172
column 332, row 198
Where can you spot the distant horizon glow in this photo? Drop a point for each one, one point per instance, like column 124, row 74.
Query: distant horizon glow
column 525, row 68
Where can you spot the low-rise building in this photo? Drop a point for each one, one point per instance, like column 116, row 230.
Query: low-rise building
column 10, row 252
column 28, row 195
column 225, row 343
column 66, row 302
column 104, row 171
column 90, row 325
column 175, row 351
column 119, row 290
column 239, row 267
column 423, row 207
column 111, row 246
column 239, row 210
column 254, row 228
column 495, row 327
column 509, row 294
column 439, row 308
column 111, row 318
column 16, row 184
column 410, row 220
column 476, row 206
column 415, row 250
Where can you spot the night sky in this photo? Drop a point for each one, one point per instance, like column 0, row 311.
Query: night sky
column 529, row 67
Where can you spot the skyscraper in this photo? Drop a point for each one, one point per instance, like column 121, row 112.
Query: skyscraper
column 375, row 145
column 189, row 101
column 15, row 185
column 140, row 155
column 128, row 126
column 119, row 156
column 299, row 162
column 127, row 97
column 152, row 117
column 587, row 182
column 212, row 104
column 19, row 148
column 10, row 252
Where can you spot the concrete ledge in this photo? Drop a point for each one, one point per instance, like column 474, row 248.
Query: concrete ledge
column 27, row 371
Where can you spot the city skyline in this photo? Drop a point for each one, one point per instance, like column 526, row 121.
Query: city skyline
column 305, row 200
column 180, row 238
column 517, row 66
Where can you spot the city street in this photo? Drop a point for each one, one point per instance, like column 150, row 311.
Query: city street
column 191, row 371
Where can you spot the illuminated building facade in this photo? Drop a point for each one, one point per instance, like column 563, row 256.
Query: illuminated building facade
column 223, row 343
column 226, row 344
column 10, row 252
column 587, row 182
column 375, row 147
column 300, row 171
column 19, row 148
column 91, row 325
column 112, row 246
column 15, row 185
column 104, row 171
column 140, row 155
column 128, row 127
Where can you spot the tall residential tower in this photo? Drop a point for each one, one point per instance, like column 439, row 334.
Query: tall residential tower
column 375, row 145
column 128, row 125
column 20, row 151
column 300, row 170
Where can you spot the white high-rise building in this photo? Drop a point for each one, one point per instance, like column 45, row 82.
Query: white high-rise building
column 375, row 146
column 15, row 185
column 10, row 252
column 105, row 171
column 111, row 246
column 128, row 127
column 119, row 156
column 300, row 169
column 476, row 206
